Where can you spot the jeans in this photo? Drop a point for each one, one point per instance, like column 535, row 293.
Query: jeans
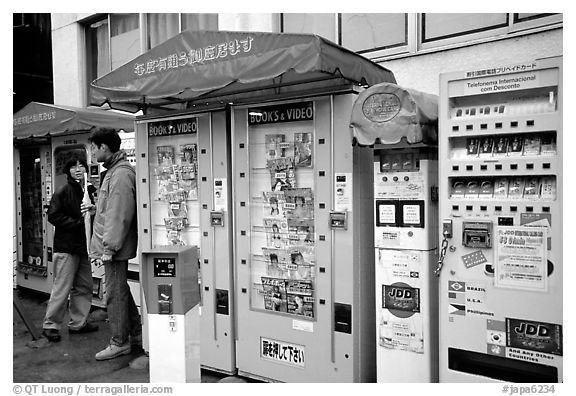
column 72, row 277
column 123, row 314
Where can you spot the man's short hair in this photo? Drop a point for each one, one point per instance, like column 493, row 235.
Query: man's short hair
column 108, row 136
column 72, row 162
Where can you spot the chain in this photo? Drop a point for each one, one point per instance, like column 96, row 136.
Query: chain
column 442, row 254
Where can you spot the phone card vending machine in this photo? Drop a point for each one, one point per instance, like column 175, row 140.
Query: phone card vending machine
column 405, row 235
column 183, row 201
column 501, row 210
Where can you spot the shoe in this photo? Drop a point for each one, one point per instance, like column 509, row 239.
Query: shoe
column 136, row 341
column 113, row 351
column 52, row 335
column 87, row 328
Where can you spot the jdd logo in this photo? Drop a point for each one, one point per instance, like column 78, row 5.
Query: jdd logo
column 401, row 293
column 531, row 330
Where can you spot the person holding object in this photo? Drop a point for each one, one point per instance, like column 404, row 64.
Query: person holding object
column 72, row 270
column 115, row 239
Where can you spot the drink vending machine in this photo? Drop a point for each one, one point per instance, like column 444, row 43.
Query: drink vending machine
column 501, row 266
column 402, row 125
column 184, row 200
column 303, row 243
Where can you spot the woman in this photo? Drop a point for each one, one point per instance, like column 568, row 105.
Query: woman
column 72, row 270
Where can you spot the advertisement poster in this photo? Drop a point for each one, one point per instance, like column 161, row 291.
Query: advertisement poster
column 343, row 192
column 401, row 324
column 220, row 194
column 521, row 261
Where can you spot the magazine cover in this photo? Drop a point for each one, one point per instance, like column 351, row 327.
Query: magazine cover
column 486, row 146
column 175, row 223
column 299, row 203
column 188, row 154
column 300, row 231
column 472, row 146
column 165, row 155
column 276, row 232
column 303, row 149
column 300, row 266
column 282, row 174
column 300, row 296
column 501, row 146
column 189, row 188
column 515, row 145
column 532, row 145
column 548, row 188
column 458, row 189
column 274, row 147
column 174, row 238
column 472, row 189
column 276, row 262
column 274, row 202
column 177, row 209
column 486, row 189
column 188, row 172
column 274, row 294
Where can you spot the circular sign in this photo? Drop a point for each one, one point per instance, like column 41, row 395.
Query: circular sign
column 381, row 107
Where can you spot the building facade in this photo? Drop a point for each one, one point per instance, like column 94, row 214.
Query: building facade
column 415, row 47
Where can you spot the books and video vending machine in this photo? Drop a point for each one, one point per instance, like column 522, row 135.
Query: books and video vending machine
column 303, row 244
column 501, row 212
column 183, row 199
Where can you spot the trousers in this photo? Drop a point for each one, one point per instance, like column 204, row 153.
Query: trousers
column 72, row 277
column 123, row 314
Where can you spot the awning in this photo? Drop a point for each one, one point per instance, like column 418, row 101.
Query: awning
column 207, row 64
column 40, row 119
column 386, row 113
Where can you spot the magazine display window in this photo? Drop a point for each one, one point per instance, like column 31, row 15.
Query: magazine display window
column 283, row 257
column 173, row 162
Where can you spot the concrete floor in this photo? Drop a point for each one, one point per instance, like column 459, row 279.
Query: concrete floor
column 72, row 359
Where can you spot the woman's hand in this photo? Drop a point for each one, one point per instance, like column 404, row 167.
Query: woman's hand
column 87, row 208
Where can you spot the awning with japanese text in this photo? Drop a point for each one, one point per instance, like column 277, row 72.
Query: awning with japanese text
column 207, row 64
column 41, row 119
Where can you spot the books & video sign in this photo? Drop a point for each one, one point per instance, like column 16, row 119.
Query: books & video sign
column 181, row 126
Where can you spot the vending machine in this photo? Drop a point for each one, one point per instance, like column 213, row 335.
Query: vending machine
column 402, row 126
column 184, row 200
column 303, row 243
column 500, row 265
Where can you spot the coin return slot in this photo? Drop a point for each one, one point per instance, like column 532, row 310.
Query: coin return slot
column 477, row 234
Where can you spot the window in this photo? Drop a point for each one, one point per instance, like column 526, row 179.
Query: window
column 369, row 32
column 199, row 21
column 443, row 26
column 321, row 24
column 124, row 38
column 160, row 27
column 98, row 48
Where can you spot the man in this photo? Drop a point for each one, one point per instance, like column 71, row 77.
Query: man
column 72, row 270
column 115, row 239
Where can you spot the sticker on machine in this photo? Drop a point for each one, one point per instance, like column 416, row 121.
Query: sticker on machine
column 343, row 192
column 540, row 337
column 400, row 299
column 468, row 299
column 521, row 261
column 282, row 352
